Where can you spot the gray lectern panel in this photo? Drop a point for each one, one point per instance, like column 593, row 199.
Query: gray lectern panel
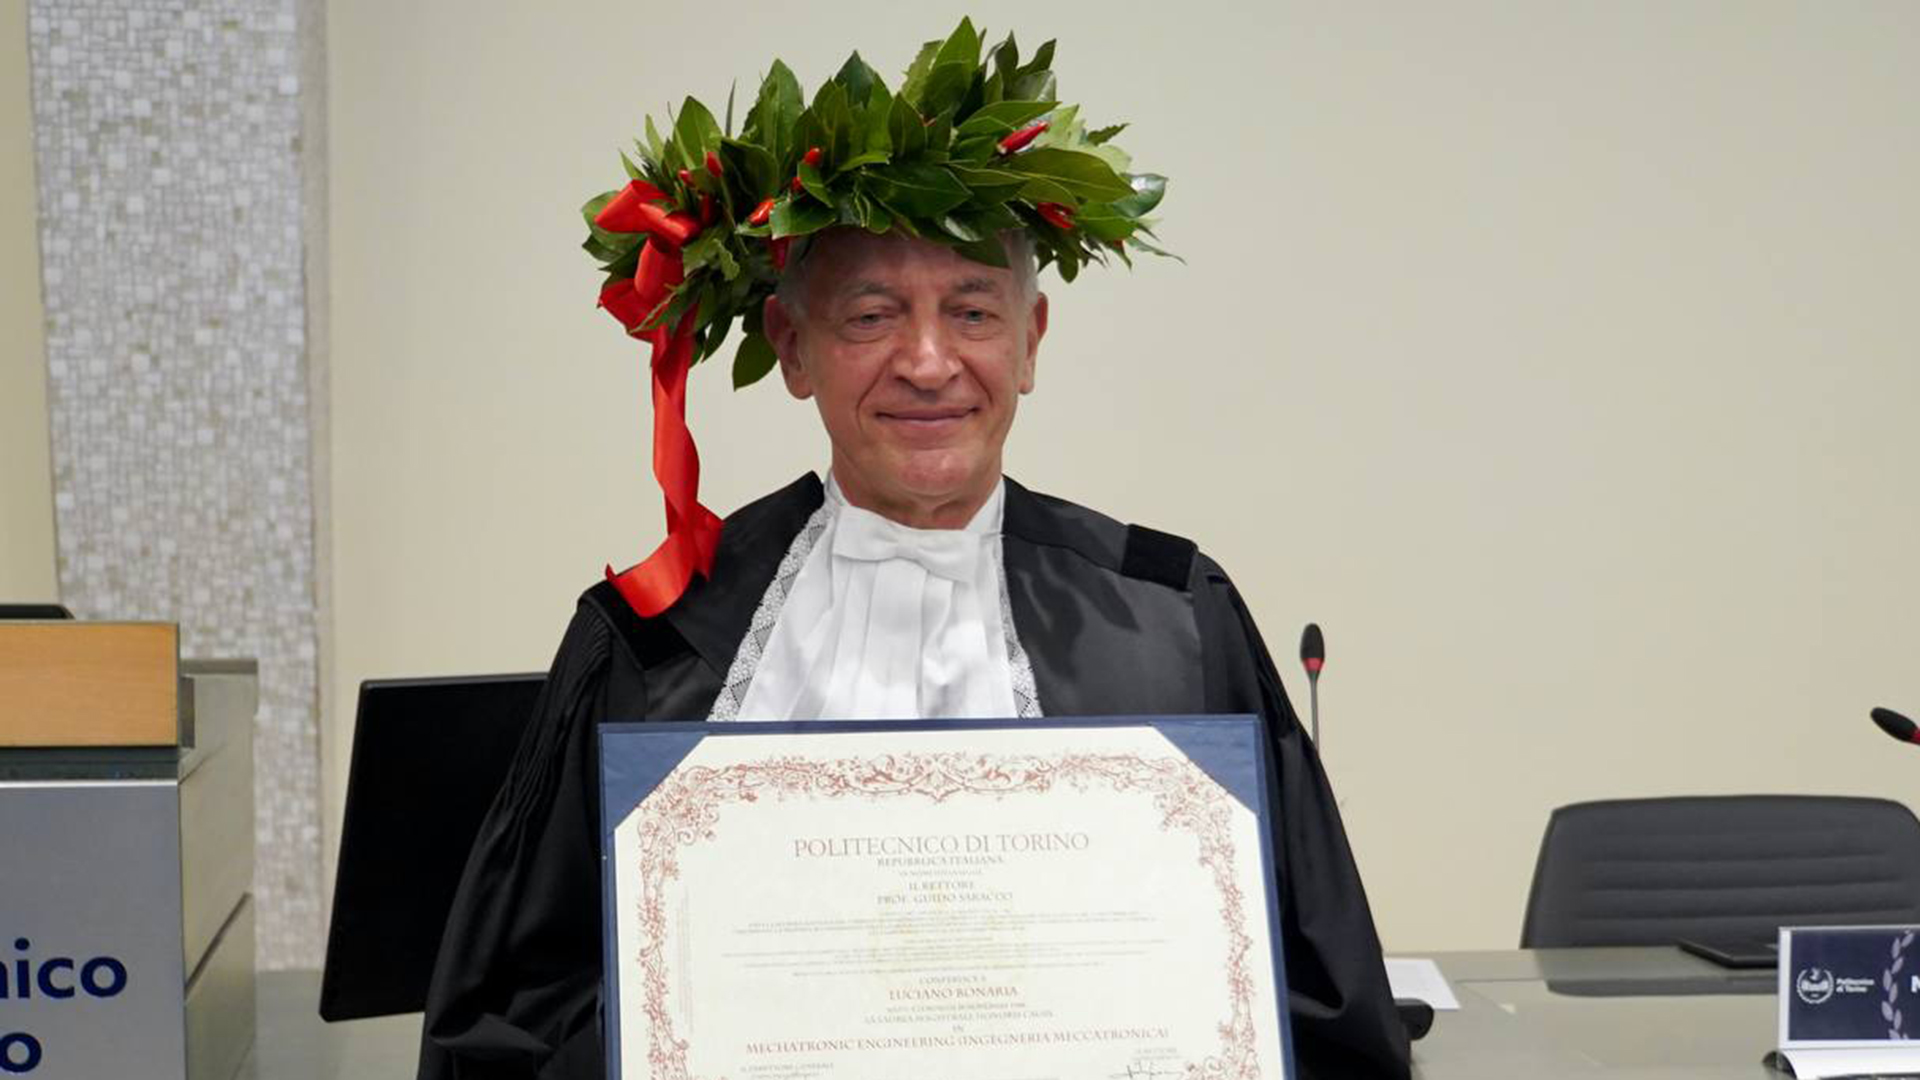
column 90, row 930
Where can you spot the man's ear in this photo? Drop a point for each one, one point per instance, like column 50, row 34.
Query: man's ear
column 783, row 331
column 1036, row 329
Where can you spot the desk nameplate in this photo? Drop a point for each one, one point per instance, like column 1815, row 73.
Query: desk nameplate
column 1850, row 999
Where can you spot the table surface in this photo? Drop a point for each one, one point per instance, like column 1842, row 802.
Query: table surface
column 1636, row 1014
column 1647, row 1014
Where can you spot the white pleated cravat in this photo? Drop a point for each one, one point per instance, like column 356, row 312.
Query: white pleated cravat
column 889, row 622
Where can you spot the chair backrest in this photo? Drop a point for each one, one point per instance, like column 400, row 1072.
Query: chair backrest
column 1651, row 871
column 428, row 757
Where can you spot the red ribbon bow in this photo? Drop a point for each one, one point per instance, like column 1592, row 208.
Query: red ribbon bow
column 693, row 531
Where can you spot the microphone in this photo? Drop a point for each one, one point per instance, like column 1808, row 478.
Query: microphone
column 1313, row 657
column 1897, row 726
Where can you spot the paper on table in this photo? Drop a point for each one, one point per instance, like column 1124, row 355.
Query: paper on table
column 1422, row 981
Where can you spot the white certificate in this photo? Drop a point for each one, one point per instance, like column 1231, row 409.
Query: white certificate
column 943, row 903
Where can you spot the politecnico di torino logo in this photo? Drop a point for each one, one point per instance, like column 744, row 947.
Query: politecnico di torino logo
column 1814, row 985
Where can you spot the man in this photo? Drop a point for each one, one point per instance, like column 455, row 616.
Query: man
column 916, row 580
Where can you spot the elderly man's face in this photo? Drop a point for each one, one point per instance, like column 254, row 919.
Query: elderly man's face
column 916, row 357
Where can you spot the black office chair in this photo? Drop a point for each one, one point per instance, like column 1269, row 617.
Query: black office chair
column 428, row 757
column 1734, row 867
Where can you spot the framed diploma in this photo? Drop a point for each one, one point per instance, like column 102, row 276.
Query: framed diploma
column 943, row 900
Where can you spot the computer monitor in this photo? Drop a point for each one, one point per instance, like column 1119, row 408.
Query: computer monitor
column 428, row 757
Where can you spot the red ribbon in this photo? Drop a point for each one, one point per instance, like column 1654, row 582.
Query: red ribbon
column 636, row 210
column 693, row 531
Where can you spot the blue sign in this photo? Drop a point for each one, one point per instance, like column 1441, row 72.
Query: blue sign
column 1850, row 985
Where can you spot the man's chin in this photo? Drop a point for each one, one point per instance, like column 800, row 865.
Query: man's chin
column 939, row 471
column 937, row 478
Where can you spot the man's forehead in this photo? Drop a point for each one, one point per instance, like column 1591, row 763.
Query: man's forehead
column 855, row 263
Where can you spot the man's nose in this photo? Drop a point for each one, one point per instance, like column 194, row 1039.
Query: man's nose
column 926, row 359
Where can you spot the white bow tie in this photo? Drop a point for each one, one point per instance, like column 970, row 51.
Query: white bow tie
column 886, row 621
column 953, row 554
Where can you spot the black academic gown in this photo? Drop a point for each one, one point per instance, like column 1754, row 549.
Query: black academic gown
column 1116, row 620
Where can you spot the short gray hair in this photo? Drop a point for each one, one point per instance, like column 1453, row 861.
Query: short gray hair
column 1020, row 259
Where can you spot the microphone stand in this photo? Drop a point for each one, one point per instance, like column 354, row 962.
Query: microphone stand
column 1313, row 699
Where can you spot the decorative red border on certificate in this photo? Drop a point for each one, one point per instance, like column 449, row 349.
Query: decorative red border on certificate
column 685, row 809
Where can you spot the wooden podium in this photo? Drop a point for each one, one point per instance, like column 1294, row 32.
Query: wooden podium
column 126, row 831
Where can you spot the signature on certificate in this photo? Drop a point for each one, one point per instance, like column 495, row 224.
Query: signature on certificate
column 1142, row 1072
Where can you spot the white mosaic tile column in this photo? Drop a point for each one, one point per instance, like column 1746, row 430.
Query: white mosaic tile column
column 169, row 145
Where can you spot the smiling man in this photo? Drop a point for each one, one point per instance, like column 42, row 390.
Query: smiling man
column 917, row 357
column 915, row 580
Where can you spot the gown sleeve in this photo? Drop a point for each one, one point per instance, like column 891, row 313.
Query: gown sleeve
column 1344, row 1022
column 515, row 993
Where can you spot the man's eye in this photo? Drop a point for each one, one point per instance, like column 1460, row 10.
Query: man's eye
column 868, row 320
column 975, row 315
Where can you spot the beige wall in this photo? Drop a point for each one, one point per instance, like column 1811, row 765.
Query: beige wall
column 26, row 478
column 1558, row 359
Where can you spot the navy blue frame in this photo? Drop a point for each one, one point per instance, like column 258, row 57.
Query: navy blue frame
column 636, row 757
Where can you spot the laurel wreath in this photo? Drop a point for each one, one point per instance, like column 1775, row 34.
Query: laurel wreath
column 969, row 146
